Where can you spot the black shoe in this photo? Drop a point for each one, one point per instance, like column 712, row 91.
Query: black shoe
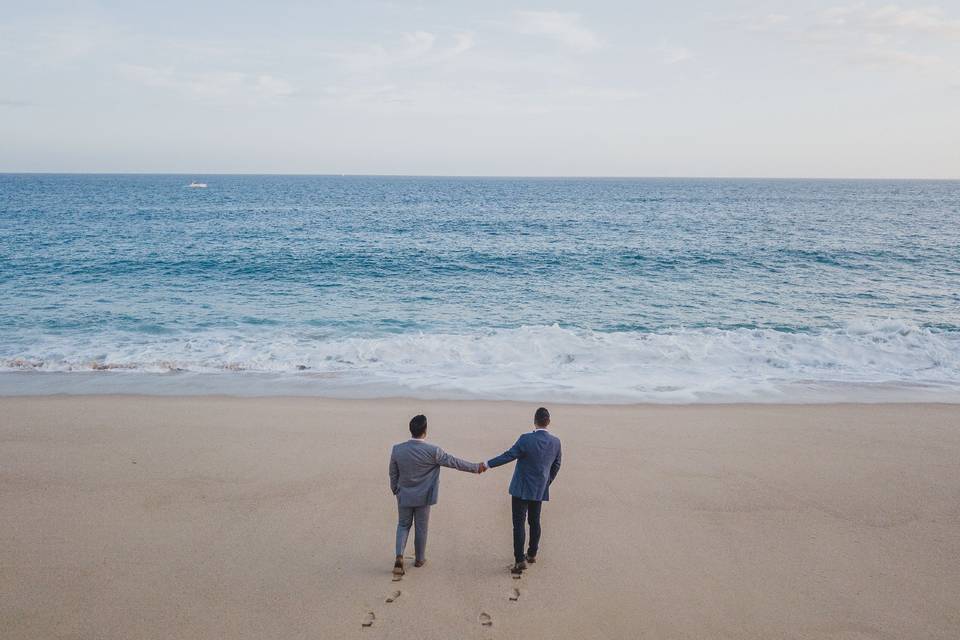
column 398, row 567
column 531, row 559
column 518, row 568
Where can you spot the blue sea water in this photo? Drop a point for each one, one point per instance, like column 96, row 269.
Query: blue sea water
column 585, row 290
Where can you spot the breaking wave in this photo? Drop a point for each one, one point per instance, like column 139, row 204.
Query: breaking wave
column 874, row 361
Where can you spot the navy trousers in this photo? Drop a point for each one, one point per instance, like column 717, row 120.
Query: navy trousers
column 525, row 510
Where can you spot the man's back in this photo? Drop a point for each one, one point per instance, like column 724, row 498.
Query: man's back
column 415, row 480
column 415, row 471
column 538, row 455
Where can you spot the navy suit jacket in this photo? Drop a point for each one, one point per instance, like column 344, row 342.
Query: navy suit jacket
column 538, row 462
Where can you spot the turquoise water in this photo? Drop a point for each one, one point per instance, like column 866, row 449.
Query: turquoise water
column 584, row 290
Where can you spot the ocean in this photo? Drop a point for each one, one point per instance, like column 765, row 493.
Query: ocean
column 542, row 290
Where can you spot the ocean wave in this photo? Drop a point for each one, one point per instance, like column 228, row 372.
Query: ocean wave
column 537, row 362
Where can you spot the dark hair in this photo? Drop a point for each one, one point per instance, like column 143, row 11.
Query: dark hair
column 418, row 426
column 542, row 417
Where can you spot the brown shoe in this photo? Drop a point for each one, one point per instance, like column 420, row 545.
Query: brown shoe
column 420, row 562
column 398, row 566
column 531, row 559
column 518, row 568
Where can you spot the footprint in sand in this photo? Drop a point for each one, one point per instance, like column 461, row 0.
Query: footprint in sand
column 393, row 596
column 368, row 619
column 515, row 595
column 486, row 620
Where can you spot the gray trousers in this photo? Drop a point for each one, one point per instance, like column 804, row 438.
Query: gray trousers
column 407, row 517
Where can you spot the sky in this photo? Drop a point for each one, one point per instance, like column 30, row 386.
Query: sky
column 602, row 88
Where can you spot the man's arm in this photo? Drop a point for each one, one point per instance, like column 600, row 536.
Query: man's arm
column 511, row 454
column 394, row 475
column 555, row 467
column 444, row 459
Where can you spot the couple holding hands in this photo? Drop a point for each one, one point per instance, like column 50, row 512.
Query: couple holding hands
column 415, row 480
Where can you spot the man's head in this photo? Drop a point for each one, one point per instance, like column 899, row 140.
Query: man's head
column 418, row 426
column 541, row 418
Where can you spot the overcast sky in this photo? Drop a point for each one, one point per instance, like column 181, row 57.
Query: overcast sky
column 631, row 88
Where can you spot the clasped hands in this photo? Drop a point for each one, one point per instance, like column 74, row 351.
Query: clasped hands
column 483, row 467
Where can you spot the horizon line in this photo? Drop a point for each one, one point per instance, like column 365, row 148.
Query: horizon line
column 453, row 175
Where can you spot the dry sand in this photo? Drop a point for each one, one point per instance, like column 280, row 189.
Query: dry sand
column 151, row 517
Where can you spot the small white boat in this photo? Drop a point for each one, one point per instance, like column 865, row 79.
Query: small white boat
column 197, row 185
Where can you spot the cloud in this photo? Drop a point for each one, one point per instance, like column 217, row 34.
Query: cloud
column 891, row 57
column 612, row 94
column 860, row 17
column 766, row 22
column 878, row 36
column 674, row 55
column 464, row 42
column 418, row 43
column 57, row 42
column 416, row 47
column 888, row 36
column 212, row 86
column 272, row 86
column 385, row 94
column 13, row 104
column 562, row 27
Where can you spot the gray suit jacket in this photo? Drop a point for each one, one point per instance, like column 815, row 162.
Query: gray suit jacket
column 415, row 471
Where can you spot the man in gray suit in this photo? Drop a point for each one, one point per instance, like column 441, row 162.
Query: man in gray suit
column 415, row 480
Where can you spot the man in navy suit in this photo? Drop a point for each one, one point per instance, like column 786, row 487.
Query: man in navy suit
column 538, row 462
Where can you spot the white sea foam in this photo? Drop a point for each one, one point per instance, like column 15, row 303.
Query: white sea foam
column 871, row 361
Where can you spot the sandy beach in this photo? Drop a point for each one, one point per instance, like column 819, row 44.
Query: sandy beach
column 211, row 517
